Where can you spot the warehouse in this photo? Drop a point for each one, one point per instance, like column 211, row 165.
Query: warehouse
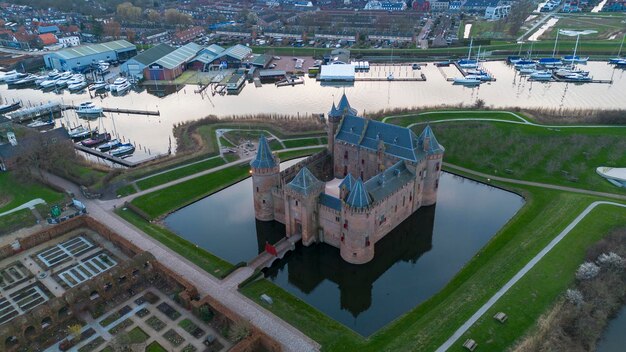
column 80, row 57
column 135, row 66
column 173, row 64
column 231, row 57
column 337, row 72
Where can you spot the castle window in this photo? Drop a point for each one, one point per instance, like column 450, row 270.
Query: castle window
column 437, row 167
column 345, row 224
column 342, row 237
column 296, row 203
column 257, row 190
column 367, row 241
column 345, row 171
column 345, row 154
column 337, row 219
column 263, row 201
column 396, row 210
column 362, row 161
column 437, row 184
column 410, row 197
column 403, row 200
column 382, row 220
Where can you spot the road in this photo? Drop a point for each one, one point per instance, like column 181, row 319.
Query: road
column 224, row 291
column 482, row 310
column 540, row 22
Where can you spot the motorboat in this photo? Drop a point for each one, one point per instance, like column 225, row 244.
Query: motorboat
column 573, row 59
column 23, row 82
column 103, row 66
column 80, row 132
column 541, row 76
column 119, row 84
column 4, row 108
column 49, row 83
column 122, row 149
column 550, row 62
column 567, row 72
column 62, row 82
column 468, row 63
column 14, row 77
column 88, row 108
column 96, row 140
column 53, row 74
column 577, row 77
column 467, row 81
column 526, row 71
column 75, row 79
column 5, row 74
column 112, row 144
column 98, row 85
column 390, row 77
column 77, row 86
column 41, row 124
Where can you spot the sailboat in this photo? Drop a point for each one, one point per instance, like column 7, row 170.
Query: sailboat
column 573, row 59
column 619, row 58
column 552, row 62
column 469, row 62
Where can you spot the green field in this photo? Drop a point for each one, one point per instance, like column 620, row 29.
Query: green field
column 17, row 220
column 292, row 154
column 605, row 24
column 432, row 116
column 304, row 142
column 14, row 193
column 155, row 347
column 179, row 173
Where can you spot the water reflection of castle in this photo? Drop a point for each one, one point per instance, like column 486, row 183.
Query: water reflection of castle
column 310, row 266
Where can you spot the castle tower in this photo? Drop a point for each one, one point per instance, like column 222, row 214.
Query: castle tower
column 301, row 201
column 335, row 115
column 265, row 169
column 434, row 159
column 357, row 236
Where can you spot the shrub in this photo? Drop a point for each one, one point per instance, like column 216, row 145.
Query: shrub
column 574, row 296
column 587, row 271
column 611, row 260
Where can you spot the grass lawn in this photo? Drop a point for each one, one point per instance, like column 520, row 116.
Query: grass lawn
column 126, row 190
column 137, row 335
column 428, row 325
column 304, row 142
column 567, row 156
column 155, row 347
column 19, row 219
column 174, row 197
column 605, row 25
column 14, row 193
column 179, row 173
column 292, row 154
column 432, row 116
column 203, row 259
column 225, row 142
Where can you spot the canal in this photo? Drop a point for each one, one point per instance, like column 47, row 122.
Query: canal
column 412, row 263
column 614, row 338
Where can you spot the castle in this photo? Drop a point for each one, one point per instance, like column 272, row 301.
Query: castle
column 370, row 179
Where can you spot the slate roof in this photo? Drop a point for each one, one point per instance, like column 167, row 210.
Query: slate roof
column 238, row 52
column 305, row 182
column 179, row 56
column 215, row 49
column 153, row 54
column 388, row 181
column 264, row 158
column 348, row 182
column 398, row 141
column 48, row 38
column 358, row 197
column 343, row 108
column 433, row 146
column 84, row 50
column 47, row 29
column 330, row 201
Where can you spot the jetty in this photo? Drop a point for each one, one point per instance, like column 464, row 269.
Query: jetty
column 115, row 159
column 421, row 78
column 35, row 112
column 120, row 111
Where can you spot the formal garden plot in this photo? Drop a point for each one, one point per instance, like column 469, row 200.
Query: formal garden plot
column 189, row 348
column 193, row 329
column 121, row 326
column 174, row 338
column 142, row 313
column 87, row 269
column 137, row 335
column 63, row 251
column 155, row 323
column 170, row 312
column 29, row 297
column 115, row 316
column 7, row 311
column 91, row 346
column 13, row 275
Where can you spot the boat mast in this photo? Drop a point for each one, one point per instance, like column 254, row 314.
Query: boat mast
column 555, row 42
column 575, row 48
column 619, row 53
column 469, row 54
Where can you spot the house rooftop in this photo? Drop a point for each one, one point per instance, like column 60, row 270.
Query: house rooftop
column 153, row 54
column 264, row 158
column 84, row 50
column 305, row 182
column 179, row 56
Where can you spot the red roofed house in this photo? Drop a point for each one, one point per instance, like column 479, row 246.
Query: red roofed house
column 48, row 39
column 184, row 37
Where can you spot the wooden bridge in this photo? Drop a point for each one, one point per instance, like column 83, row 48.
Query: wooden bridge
column 265, row 259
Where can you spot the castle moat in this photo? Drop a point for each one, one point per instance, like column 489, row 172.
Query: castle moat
column 413, row 262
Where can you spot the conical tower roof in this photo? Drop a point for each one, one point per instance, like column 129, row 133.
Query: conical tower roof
column 305, row 182
column 347, row 182
column 358, row 197
column 428, row 142
column 264, row 158
column 344, row 106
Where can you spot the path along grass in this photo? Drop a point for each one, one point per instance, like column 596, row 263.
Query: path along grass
column 14, row 193
column 428, row 325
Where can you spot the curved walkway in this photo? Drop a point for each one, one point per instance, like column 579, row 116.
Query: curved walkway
column 30, row 205
column 522, row 120
column 482, row 310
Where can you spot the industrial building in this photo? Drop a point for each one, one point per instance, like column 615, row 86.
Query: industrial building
column 173, row 64
column 135, row 66
column 80, row 57
column 337, row 72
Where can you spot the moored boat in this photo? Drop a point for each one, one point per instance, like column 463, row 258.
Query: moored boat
column 122, row 149
column 10, row 107
column 88, row 108
column 574, row 59
column 96, row 140
column 98, row 85
column 541, row 76
column 467, row 81
column 75, row 87
column 80, row 132
column 41, row 124
column 112, row 144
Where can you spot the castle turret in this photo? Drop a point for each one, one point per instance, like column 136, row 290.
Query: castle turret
column 301, row 201
column 434, row 159
column 357, row 236
column 265, row 169
column 335, row 115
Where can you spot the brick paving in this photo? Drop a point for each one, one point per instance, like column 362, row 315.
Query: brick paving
column 225, row 291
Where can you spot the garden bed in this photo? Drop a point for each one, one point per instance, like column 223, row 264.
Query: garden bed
column 170, row 312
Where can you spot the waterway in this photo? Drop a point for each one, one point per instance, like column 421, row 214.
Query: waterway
column 614, row 338
column 411, row 264
column 154, row 133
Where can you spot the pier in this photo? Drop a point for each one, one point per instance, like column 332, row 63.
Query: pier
column 422, row 78
column 120, row 111
column 556, row 78
column 35, row 112
column 115, row 159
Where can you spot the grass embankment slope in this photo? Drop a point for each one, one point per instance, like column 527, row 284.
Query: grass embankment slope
column 14, row 193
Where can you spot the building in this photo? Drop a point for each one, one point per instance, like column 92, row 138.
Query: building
column 439, row 6
column 48, row 29
column 370, row 179
column 202, row 61
column 73, row 40
column 385, row 5
column 337, row 73
column 134, row 67
column 173, row 64
column 187, row 35
column 497, row 12
column 232, row 57
column 47, row 39
column 83, row 56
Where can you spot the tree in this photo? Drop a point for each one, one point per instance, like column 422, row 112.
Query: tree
column 113, row 29
column 97, row 29
column 153, row 16
column 176, row 18
column 75, row 331
column 128, row 12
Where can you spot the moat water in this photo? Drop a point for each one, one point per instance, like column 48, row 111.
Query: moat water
column 614, row 338
column 411, row 264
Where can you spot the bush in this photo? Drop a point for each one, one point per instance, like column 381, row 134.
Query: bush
column 587, row 271
column 611, row 260
column 574, row 296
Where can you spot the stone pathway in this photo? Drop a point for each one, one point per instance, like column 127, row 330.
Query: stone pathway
column 28, row 205
column 482, row 310
column 225, row 292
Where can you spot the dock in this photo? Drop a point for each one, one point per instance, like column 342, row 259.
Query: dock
column 35, row 112
column 121, row 111
column 115, row 159
column 556, row 78
column 422, row 78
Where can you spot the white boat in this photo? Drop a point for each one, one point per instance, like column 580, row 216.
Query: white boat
column 98, row 85
column 577, row 77
column 88, row 108
column 467, row 81
column 14, row 77
column 62, row 82
column 77, row 86
column 615, row 175
column 119, row 84
column 76, row 79
column 575, row 59
column 26, row 81
column 390, row 77
column 41, row 124
column 80, row 132
column 122, row 149
column 50, row 83
column 526, row 71
column 541, row 76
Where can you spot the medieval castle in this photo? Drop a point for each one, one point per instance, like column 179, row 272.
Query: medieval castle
column 371, row 178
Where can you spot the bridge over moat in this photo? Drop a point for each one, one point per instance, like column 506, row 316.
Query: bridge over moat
column 266, row 259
